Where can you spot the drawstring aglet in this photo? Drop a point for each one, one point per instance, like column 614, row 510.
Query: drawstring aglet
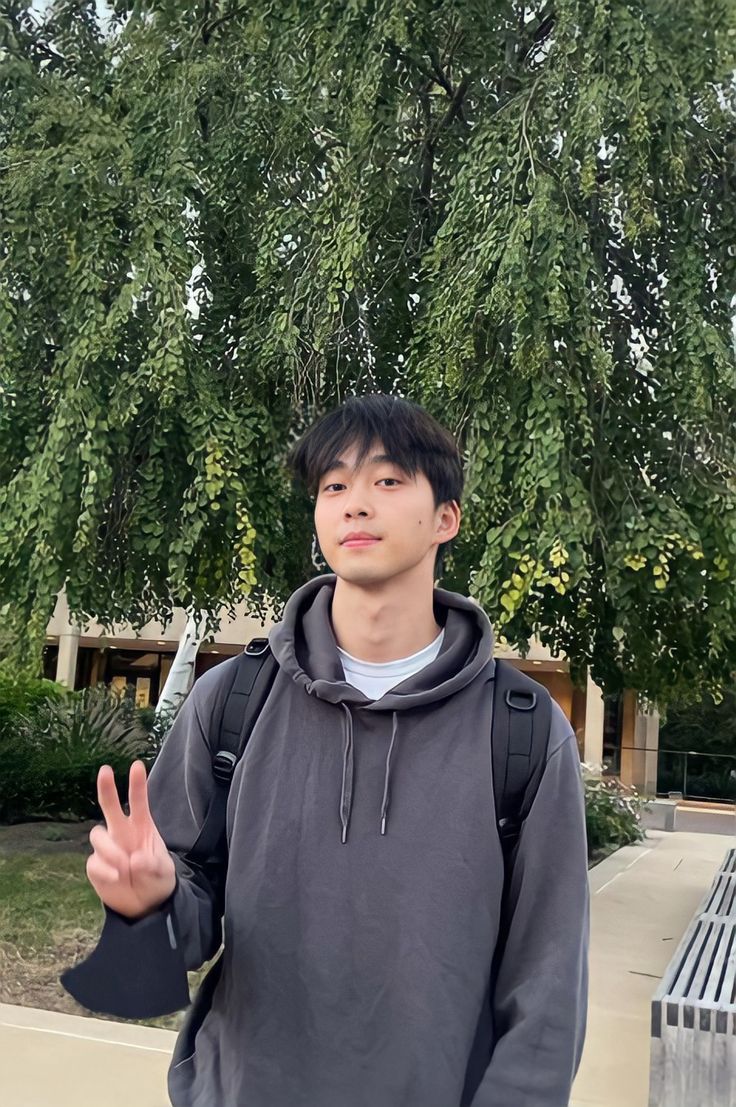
column 383, row 824
column 344, row 834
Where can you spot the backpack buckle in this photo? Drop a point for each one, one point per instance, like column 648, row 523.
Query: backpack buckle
column 518, row 706
column 256, row 646
column 508, row 827
column 223, row 766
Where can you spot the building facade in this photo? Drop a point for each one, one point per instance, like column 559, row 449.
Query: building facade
column 612, row 732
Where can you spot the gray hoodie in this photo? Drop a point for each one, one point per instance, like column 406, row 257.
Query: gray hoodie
column 359, row 911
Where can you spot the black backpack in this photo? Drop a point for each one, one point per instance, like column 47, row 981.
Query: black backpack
column 522, row 711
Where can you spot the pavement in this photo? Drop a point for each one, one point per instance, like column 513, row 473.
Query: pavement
column 642, row 899
column 55, row 1060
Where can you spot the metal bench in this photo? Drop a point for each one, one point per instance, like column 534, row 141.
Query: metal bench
column 693, row 1044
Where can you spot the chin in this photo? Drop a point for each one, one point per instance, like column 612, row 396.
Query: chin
column 361, row 572
column 369, row 576
column 357, row 573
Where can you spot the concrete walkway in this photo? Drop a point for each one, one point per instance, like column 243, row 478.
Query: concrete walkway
column 642, row 899
column 55, row 1060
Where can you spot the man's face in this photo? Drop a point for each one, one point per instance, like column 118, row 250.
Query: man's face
column 386, row 502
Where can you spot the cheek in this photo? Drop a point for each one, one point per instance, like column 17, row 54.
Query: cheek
column 327, row 523
column 411, row 528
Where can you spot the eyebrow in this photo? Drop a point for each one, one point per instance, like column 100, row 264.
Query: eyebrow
column 377, row 459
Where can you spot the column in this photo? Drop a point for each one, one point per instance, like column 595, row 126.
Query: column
column 646, row 740
column 593, row 723
column 66, row 663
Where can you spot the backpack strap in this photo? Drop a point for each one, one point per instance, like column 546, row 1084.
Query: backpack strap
column 522, row 714
column 233, row 721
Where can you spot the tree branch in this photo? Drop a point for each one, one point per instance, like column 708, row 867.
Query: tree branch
column 455, row 106
column 456, row 94
column 427, row 173
column 439, row 74
column 539, row 37
column 208, row 29
column 434, row 75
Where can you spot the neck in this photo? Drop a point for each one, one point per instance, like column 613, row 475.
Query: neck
column 385, row 621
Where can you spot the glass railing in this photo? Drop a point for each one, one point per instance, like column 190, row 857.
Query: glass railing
column 706, row 776
column 697, row 775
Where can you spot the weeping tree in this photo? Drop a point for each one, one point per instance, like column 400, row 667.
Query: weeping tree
column 219, row 219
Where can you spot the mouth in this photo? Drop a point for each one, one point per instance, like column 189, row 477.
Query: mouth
column 355, row 543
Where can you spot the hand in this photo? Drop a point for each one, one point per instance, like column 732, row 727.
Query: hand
column 131, row 869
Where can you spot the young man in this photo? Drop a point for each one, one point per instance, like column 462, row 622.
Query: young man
column 362, row 896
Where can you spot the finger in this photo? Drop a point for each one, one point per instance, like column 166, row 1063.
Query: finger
column 140, row 812
column 109, row 801
column 99, row 873
column 108, row 850
column 145, row 863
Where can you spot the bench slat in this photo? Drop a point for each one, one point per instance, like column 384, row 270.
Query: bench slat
column 693, row 1028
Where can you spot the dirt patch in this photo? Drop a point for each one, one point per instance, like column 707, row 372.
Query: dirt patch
column 33, row 981
column 47, row 837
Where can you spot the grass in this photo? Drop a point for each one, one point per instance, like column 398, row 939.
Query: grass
column 43, row 898
column 50, row 919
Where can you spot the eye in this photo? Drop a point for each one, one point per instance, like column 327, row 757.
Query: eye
column 334, row 484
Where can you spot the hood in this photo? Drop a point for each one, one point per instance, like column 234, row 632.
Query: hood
column 304, row 645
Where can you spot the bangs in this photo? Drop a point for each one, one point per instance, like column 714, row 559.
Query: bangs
column 411, row 438
column 366, row 440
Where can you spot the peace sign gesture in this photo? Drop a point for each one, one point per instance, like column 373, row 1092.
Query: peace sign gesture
column 131, row 869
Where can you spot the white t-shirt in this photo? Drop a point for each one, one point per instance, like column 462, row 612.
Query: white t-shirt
column 373, row 678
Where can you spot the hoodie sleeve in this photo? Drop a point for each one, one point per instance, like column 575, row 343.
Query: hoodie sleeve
column 541, row 994
column 139, row 967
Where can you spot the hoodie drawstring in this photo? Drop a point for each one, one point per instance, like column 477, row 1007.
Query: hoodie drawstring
column 346, row 794
column 384, row 805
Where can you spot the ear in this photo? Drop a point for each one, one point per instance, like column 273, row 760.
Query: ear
column 451, row 518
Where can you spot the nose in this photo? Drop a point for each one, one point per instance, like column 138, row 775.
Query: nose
column 356, row 494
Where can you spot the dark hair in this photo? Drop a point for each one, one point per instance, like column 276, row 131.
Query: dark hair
column 412, row 438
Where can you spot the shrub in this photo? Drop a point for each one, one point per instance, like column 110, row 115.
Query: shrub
column 612, row 812
column 157, row 727
column 21, row 696
column 49, row 764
